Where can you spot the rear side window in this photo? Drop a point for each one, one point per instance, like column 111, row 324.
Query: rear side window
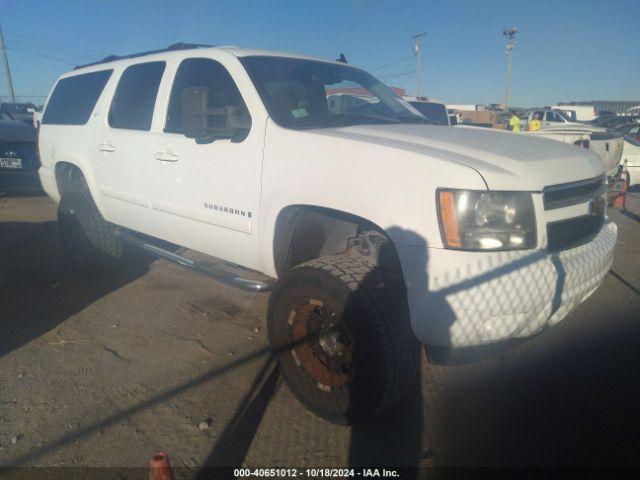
column 203, row 72
column 73, row 99
column 135, row 97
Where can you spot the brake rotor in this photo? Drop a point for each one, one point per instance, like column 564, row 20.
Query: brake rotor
column 322, row 344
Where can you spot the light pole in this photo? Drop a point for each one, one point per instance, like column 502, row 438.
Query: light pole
column 510, row 35
column 7, row 72
column 417, row 48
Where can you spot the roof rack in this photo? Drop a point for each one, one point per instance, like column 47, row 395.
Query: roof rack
column 170, row 48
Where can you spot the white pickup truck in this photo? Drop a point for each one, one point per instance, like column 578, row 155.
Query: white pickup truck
column 371, row 226
column 557, row 125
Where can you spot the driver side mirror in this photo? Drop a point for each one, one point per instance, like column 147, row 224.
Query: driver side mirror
column 197, row 118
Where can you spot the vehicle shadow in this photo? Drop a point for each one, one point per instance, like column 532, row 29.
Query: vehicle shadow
column 569, row 399
column 233, row 444
column 629, row 214
column 394, row 438
column 37, row 289
column 554, row 406
column 10, row 193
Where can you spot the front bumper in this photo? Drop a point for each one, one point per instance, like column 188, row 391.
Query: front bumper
column 464, row 299
column 19, row 181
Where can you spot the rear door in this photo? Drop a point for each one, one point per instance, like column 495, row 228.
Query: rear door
column 124, row 147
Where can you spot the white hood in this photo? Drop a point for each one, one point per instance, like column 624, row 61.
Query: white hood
column 506, row 160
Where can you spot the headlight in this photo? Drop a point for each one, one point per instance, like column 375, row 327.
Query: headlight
column 481, row 220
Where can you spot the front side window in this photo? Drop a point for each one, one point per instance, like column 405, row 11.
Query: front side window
column 74, row 98
column 222, row 94
column 135, row 97
column 302, row 94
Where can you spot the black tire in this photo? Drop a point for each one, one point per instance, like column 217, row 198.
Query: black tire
column 366, row 316
column 88, row 241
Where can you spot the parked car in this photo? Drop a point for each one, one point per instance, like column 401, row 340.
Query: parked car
column 579, row 139
column 631, row 154
column 18, row 156
column 37, row 119
column 431, row 109
column 556, row 125
column 22, row 112
column 613, row 122
column 630, row 129
column 372, row 227
column 549, row 117
column 578, row 112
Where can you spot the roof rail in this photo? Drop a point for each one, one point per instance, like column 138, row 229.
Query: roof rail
column 175, row 46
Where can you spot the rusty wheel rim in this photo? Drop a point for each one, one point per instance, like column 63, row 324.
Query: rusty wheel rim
column 322, row 344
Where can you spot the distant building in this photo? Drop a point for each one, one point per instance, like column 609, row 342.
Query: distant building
column 614, row 106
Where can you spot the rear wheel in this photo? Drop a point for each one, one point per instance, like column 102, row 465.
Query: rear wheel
column 340, row 330
column 88, row 241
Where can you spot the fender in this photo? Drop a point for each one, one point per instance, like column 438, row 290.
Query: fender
column 89, row 178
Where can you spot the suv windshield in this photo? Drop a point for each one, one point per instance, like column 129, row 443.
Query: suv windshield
column 304, row 94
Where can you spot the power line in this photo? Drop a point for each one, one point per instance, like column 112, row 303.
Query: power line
column 390, row 64
column 395, row 75
column 401, row 74
column 56, row 44
column 29, row 44
column 42, row 55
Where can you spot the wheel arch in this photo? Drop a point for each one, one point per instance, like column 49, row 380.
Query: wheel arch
column 69, row 174
column 304, row 232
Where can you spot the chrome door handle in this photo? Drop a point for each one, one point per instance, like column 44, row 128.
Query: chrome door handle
column 166, row 156
column 106, row 147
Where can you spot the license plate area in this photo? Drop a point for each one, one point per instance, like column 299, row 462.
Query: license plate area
column 10, row 163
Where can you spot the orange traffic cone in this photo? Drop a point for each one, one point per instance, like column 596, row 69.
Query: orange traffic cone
column 159, row 467
column 620, row 200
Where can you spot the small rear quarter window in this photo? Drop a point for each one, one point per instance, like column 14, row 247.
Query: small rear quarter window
column 74, row 98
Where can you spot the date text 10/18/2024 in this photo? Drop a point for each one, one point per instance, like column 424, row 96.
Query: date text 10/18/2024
column 315, row 472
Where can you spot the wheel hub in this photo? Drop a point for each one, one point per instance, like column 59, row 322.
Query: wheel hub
column 322, row 344
column 330, row 342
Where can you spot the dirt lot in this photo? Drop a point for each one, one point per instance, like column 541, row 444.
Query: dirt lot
column 104, row 372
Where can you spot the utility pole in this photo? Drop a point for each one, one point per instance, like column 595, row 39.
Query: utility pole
column 417, row 48
column 510, row 35
column 7, row 72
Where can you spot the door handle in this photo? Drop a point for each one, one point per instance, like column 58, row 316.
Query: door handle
column 106, row 147
column 166, row 156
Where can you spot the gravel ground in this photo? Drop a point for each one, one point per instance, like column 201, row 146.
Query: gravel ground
column 155, row 357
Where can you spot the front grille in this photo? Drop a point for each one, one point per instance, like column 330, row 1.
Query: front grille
column 573, row 232
column 567, row 194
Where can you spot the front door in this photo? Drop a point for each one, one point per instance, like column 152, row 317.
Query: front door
column 206, row 196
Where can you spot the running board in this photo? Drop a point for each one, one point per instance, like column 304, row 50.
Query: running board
column 203, row 267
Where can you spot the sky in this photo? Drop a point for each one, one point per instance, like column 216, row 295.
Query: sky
column 565, row 49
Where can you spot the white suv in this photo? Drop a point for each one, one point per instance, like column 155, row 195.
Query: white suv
column 371, row 225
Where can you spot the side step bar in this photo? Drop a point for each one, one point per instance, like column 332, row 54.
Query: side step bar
column 200, row 266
